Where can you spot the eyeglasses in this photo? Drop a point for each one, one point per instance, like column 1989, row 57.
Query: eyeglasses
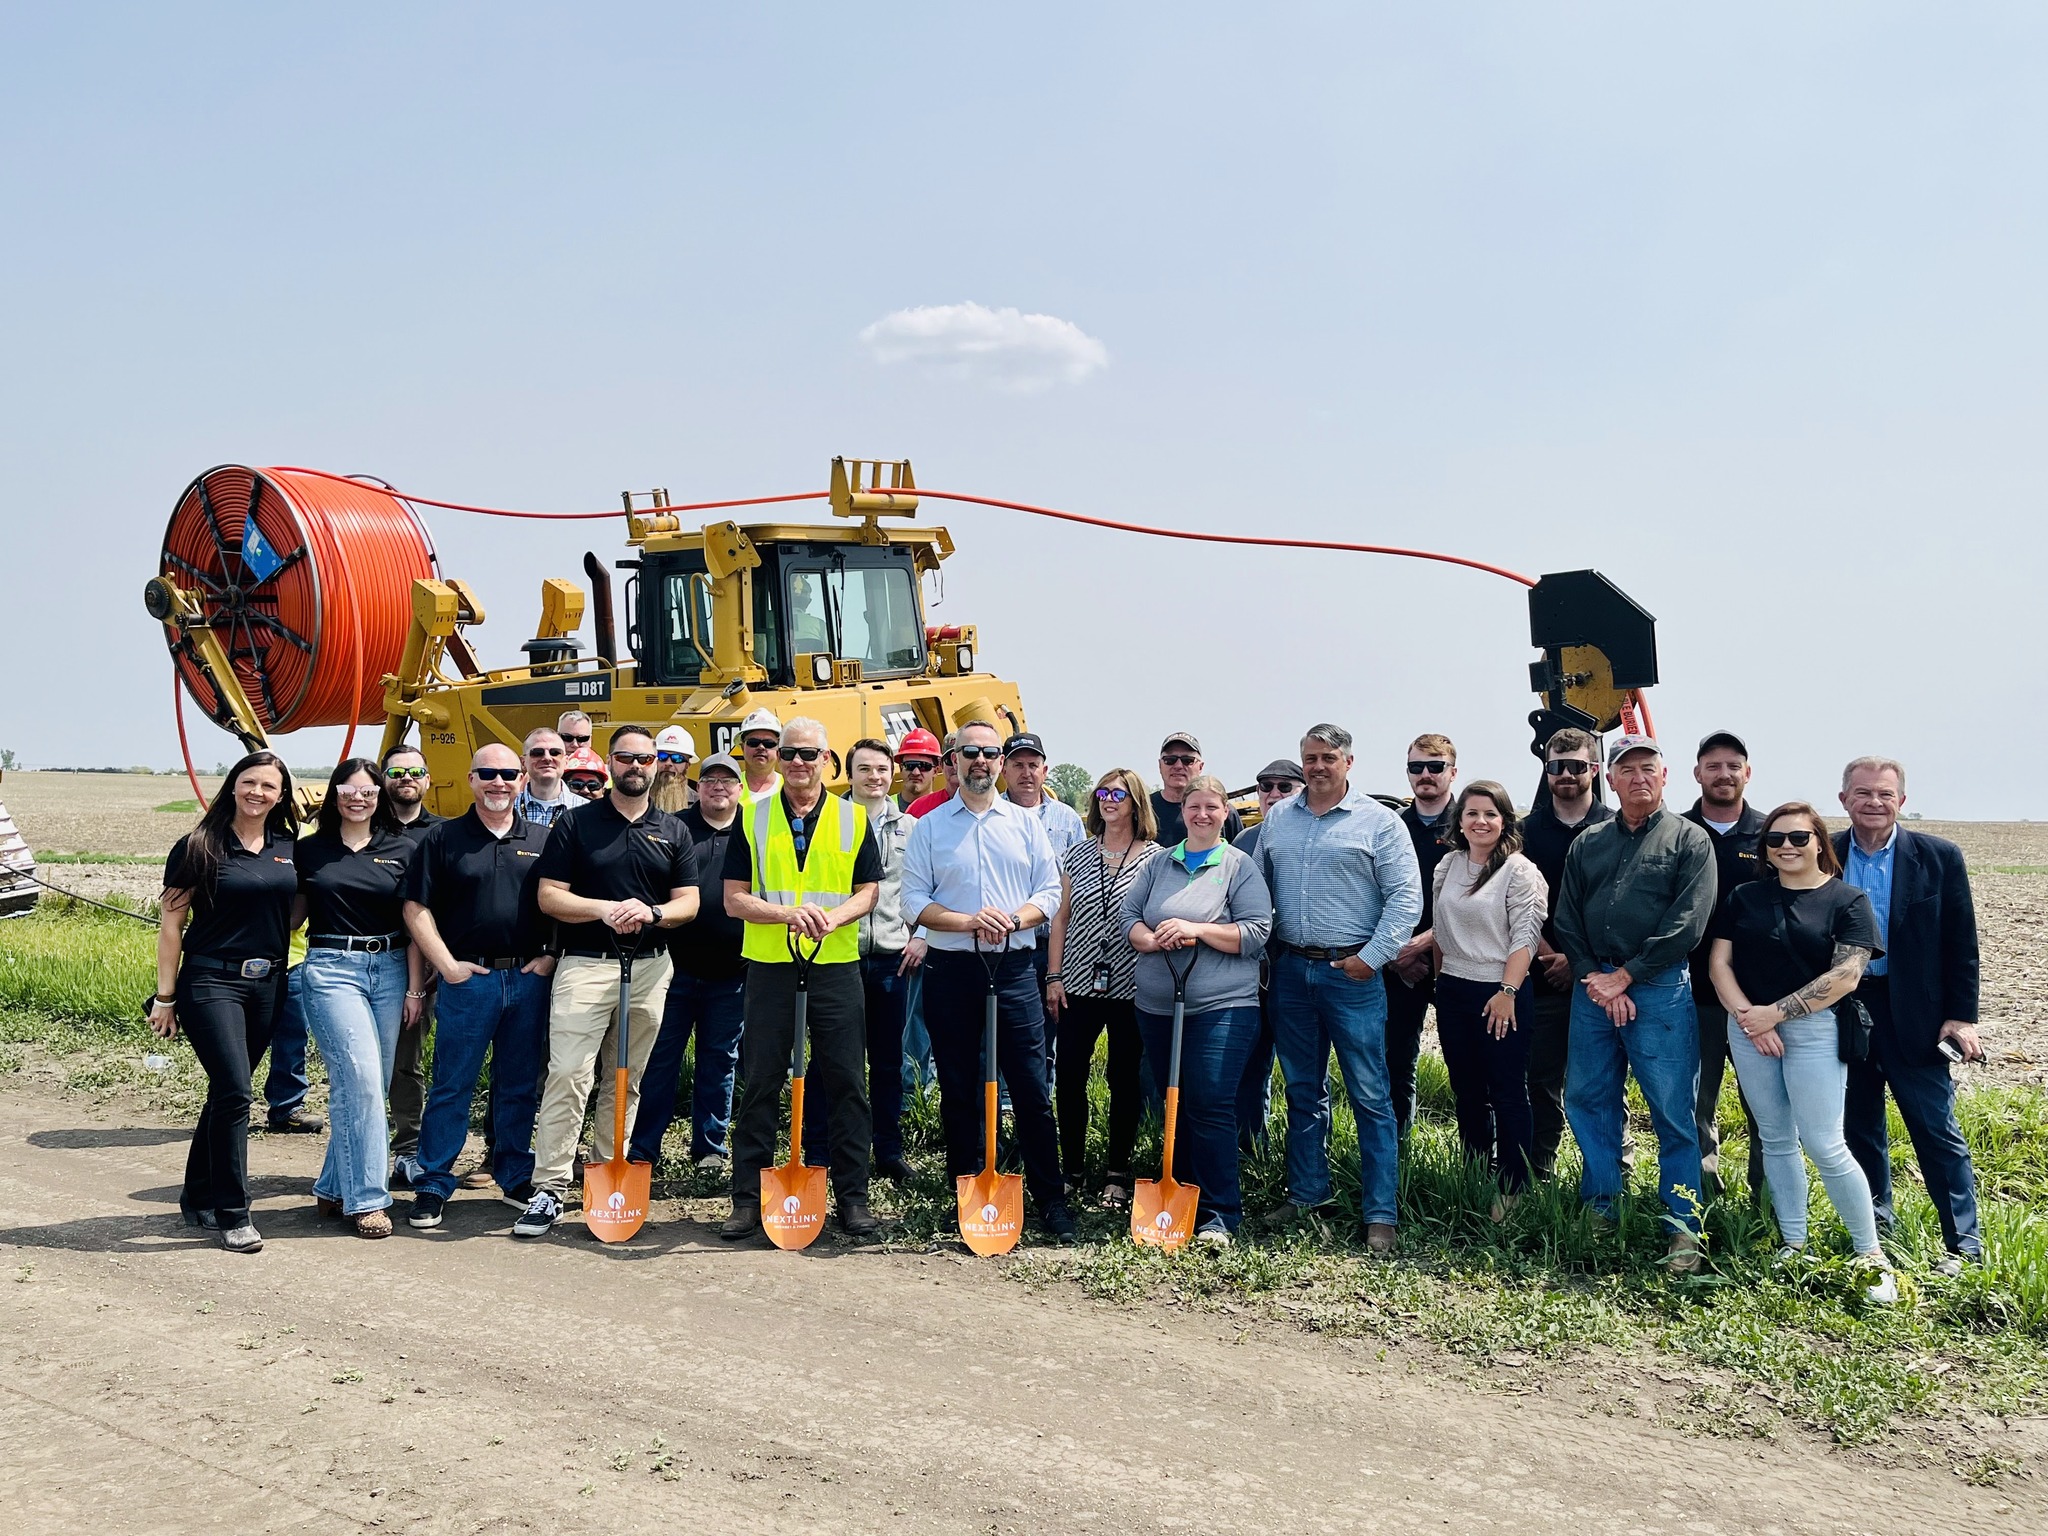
column 1113, row 796
column 672, row 757
column 1780, row 839
column 918, row 765
column 1559, row 767
column 1178, row 760
column 791, row 754
column 759, row 743
column 574, row 741
column 718, row 780
column 972, row 754
column 637, row 759
column 507, row 775
column 1426, row 765
column 356, row 791
column 1276, row 786
column 405, row 773
column 544, row 751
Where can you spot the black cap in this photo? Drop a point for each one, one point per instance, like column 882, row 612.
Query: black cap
column 1024, row 741
column 1722, row 739
column 1280, row 768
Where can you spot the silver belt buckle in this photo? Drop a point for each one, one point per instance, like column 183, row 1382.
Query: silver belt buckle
column 255, row 970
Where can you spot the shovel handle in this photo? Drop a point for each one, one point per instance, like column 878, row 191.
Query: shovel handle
column 1180, row 1014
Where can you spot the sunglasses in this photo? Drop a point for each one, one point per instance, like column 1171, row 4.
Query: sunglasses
column 973, row 754
column 1276, row 786
column 1178, row 760
column 918, row 765
column 759, row 743
column 575, row 741
column 1426, row 765
column 545, row 752
column 638, row 759
column 1113, row 796
column 1559, row 767
column 507, row 775
column 1780, row 839
column 357, row 791
column 405, row 773
column 791, row 754
column 672, row 757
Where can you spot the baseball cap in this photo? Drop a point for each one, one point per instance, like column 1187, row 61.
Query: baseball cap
column 720, row 760
column 1183, row 738
column 918, row 742
column 1024, row 741
column 675, row 739
column 1280, row 768
column 760, row 720
column 1623, row 745
column 1721, row 739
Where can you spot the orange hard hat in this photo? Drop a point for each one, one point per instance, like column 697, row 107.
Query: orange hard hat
column 919, row 743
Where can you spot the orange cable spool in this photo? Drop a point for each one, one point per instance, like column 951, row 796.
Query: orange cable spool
column 307, row 581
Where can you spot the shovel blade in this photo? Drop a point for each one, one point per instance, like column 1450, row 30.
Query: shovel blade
column 793, row 1204
column 1163, row 1213
column 991, row 1211
column 615, row 1198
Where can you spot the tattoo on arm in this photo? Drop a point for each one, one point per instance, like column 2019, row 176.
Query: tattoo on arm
column 1848, row 963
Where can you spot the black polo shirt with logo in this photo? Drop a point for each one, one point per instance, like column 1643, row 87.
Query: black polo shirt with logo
column 598, row 853
column 1737, row 861
column 247, row 913
column 353, row 892
column 483, row 889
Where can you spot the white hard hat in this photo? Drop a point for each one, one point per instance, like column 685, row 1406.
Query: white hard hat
column 761, row 720
column 675, row 739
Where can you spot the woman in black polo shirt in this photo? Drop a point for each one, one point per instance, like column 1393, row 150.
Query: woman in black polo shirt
column 220, row 951
column 360, row 980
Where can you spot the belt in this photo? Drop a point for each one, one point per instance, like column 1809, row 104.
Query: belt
column 376, row 944
column 248, row 970
column 493, row 962
column 1313, row 952
column 613, row 954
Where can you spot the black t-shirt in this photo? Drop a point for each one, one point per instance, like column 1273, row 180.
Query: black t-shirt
column 1173, row 825
column 709, row 948
column 247, row 915
column 596, row 852
column 739, row 853
column 481, row 888
column 1783, row 938
column 356, row 893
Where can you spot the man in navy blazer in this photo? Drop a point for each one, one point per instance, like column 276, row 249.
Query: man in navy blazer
column 1920, row 992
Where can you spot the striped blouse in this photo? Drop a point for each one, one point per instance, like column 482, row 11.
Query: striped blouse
column 1092, row 929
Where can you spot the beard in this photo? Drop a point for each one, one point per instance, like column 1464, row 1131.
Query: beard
column 630, row 782
column 671, row 793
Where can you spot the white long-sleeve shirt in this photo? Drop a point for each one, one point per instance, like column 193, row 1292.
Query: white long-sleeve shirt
column 1478, row 930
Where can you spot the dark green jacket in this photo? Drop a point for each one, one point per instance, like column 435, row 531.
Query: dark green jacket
column 1637, row 900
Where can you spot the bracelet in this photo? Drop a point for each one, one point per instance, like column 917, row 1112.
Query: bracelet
column 416, row 995
column 1053, row 976
column 165, row 1002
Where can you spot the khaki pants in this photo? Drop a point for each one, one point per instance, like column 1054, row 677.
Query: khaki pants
column 581, row 1013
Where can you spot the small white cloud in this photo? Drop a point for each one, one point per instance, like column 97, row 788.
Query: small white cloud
column 1001, row 347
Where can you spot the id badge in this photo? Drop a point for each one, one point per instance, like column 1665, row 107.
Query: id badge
column 1098, row 983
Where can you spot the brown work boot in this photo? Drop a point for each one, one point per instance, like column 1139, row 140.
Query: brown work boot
column 1682, row 1257
column 1379, row 1238
column 744, row 1221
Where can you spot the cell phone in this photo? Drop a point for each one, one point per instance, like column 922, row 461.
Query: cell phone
column 1949, row 1049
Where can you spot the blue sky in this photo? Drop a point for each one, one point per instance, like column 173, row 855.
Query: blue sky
column 1744, row 309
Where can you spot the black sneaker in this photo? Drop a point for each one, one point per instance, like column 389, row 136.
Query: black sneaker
column 426, row 1209
column 542, row 1212
column 1057, row 1222
column 856, row 1220
column 519, row 1194
column 297, row 1123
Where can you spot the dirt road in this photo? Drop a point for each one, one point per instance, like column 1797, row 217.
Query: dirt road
column 150, row 1382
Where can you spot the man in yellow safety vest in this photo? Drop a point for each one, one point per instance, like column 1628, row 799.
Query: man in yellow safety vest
column 805, row 868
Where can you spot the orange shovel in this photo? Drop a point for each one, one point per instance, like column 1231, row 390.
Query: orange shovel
column 991, row 1203
column 616, row 1194
column 1163, row 1212
column 793, row 1196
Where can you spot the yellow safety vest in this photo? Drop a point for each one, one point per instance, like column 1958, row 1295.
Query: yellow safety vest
column 826, row 879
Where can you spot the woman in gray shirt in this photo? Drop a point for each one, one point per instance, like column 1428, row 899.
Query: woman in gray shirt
column 1204, row 894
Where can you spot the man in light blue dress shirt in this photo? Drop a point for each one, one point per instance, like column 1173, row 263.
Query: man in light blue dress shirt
column 979, row 877
column 1346, row 895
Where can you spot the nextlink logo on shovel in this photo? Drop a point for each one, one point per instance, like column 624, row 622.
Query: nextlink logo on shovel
column 788, row 1216
column 987, row 1222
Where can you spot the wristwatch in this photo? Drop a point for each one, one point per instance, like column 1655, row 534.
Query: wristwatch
column 657, row 913
column 1509, row 987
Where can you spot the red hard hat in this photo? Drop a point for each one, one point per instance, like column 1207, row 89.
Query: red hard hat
column 583, row 760
column 919, row 743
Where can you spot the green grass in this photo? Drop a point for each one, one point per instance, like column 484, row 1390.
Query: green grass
column 180, row 807
column 97, row 858
column 2019, row 869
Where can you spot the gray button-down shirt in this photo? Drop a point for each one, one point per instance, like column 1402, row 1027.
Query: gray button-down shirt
column 1345, row 877
column 965, row 862
column 884, row 930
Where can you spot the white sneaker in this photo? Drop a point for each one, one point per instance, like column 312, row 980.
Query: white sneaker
column 1215, row 1237
column 1884, row 1290
column 711, row 1160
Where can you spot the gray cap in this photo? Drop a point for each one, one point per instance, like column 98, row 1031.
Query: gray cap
column 1184, row 738
column 721, row 760
column 1721, row 739
column 1623, row 745
column 1280, row 768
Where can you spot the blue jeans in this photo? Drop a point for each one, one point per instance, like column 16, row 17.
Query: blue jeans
column 1315, row 1007
column 711, row 1013
column 1661, row 1045
column 352, row 1003
column 284, row 1087
column 1255, row 1088
column 1213, row 1050
column 918, row 1067
column 1797, row 1099
column 1926, row 1096
column 1489, row 1077
column 505, row 1013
